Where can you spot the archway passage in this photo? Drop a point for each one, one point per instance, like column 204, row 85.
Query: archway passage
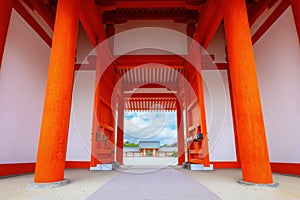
column 148, row 83
column 246, row 101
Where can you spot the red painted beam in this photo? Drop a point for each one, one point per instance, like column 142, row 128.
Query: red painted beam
column 206, row 16
column 42, row 10
column 296, row 13
column 91, row 20
column 215, row 66
column 209, row 65
column 131, row 86
column 31, row 21
column 256, row 11
column 16, row 168
column 212, row 28
column 271, row 19
column 150, row 4
column 85, row 67
column 24, row 168
column 168, row 60
column 5, row 13
column 77, row 165
column 286, row 168
column 225, row 165
column 149, row 95
column 135, row 60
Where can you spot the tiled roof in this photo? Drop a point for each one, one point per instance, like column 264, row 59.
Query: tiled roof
column 131, row 149
column 168, row 149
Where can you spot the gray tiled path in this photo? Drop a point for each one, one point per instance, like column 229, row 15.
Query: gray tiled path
column 145, row 184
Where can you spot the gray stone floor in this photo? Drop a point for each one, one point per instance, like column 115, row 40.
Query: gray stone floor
column 83, row 183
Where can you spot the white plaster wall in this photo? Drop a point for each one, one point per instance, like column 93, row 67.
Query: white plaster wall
column 217, row 45
column 218, row 115
column 79, row 140
column 150, row 36
column 22, row 87
column 277, row 56
column 84, row 46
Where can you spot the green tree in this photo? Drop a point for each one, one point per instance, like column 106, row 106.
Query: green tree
column 128, row 144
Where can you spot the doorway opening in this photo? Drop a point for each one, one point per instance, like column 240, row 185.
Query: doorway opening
column 150, row 138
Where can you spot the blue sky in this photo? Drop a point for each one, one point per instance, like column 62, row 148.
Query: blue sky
column 159, row 126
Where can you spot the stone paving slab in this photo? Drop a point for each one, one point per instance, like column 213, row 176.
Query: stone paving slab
column 160, row 184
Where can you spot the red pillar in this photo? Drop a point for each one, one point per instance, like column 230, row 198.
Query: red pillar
column 120, row 131
column 5, row 13
column 180, row 134
column 296, row 12
column 51, row 155
column 247, row 107
column 201, row 104
column 154, row 153
column 96, row 110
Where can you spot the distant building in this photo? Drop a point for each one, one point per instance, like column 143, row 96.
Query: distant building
column 150, row 149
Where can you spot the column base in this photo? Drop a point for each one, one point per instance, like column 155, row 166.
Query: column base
column 272, row 185
column 198, row 167
column 105, row 167
column 35, row 186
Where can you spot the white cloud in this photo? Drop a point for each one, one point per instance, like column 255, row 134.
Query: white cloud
column 151, row 126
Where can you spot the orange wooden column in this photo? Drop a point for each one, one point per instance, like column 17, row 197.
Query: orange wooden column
column 154, row 153
column 96, row 111
column 5, row 13
column 296, row 12
column 120, row 131
column 51, row 155
column 201, row 105
column 180, row 134
column 247, row 106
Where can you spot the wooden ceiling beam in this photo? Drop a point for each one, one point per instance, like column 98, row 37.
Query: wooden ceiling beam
column 42, row 10
column 150, row 4
column 212, row 28
column 209, row 21
column 31, row 21
column 149, row 95
column 271, row 19
column 257, row 10
column 131, row 86
column 205, row 66
column 108, row 5
column 136, row 60
column 91, row 20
